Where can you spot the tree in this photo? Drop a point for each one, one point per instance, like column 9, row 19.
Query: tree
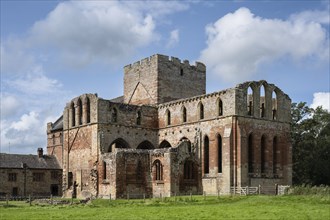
column 311, row 144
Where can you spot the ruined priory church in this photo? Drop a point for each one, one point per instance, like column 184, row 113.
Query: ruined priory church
column 165, row 136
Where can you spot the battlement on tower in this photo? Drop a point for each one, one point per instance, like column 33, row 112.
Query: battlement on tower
column 160, row 78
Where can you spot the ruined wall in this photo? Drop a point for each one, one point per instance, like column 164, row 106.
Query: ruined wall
column 55, row 144
column 26, row 180
column 158, row 79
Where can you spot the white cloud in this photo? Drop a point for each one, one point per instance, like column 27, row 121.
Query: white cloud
column 9, row 105
column 322, row 17
column 321, row 99
column 174, row 38
column 239, row 42
column 26, row 122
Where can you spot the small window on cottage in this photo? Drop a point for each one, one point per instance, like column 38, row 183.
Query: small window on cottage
column 138, row 118
column 38, row 177
column 12, row 177
column 54, row 175
column 114, row 115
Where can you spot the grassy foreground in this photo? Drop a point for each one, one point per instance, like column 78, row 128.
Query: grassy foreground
column 234, row 207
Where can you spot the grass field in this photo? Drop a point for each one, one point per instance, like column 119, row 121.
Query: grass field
column 226, row 207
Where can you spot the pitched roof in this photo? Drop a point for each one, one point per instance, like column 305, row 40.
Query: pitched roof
column 32, row 161
column 58, row 124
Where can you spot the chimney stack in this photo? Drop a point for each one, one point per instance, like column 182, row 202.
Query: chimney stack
column 40, row 152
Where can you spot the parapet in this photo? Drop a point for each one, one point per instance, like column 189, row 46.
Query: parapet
column 159, row 58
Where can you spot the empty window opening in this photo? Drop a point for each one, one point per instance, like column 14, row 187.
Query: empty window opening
column 219, row 153
column 104, row 170
column 158, row 170
column 79, row 112
column 73, row 115
column 262, row 101
column 274, row 105
column 168, row 117
column 206, row 155
column 165, row 144
column 250, row 101
column 184, row 114
column 201, row 111
column 88, row 110
column 181, row 71
column 220, row 108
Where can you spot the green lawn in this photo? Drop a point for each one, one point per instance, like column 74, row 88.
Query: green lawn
column 236, row 207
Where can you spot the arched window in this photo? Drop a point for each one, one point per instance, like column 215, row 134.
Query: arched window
column 158, row 170
column 104, row 170
column 263, row 154
column 88, row 110
column 73, row 115
column 201, row 111
column 114, row 115
column 188, row 172
column 184, row 114
column 250, row 154
column 250, row 101
column 262, row 101
column 206, row 155
column 168, row 117
column 274, row 105
column 220, row 107
column 165, row 144
column 138, row 118
column 118, row 143
column 145, row 145
column 79, row 112
column 219, row 153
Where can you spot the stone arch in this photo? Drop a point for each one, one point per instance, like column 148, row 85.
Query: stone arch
column 250, row 100
column 147, row 145
column 274, row 104
column 118, row 143
column 189, row 142
column 165, row 144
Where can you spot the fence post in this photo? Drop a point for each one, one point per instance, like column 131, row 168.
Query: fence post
column 247, row 190
column 190, row 196
column 7, row 198
column 218, row 194
column 175, row 196
column 259, row 189
column 127, row 195
column 110, row 197
column 30, row 199
column 51, row 199
column 144, row 197
column 204, row 195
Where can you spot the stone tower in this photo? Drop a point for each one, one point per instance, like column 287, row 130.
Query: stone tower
column 159, row 79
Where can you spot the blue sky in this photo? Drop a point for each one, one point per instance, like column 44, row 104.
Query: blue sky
column 52, row 51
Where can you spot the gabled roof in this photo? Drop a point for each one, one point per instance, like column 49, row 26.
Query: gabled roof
column 31, row 161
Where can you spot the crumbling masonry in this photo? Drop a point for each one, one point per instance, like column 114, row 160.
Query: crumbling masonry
column 165, row 136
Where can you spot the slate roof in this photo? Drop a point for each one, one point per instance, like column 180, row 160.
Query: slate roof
column 58, row 124
column 32, row 161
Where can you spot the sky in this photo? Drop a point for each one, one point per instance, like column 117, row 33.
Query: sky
column 53, row 51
